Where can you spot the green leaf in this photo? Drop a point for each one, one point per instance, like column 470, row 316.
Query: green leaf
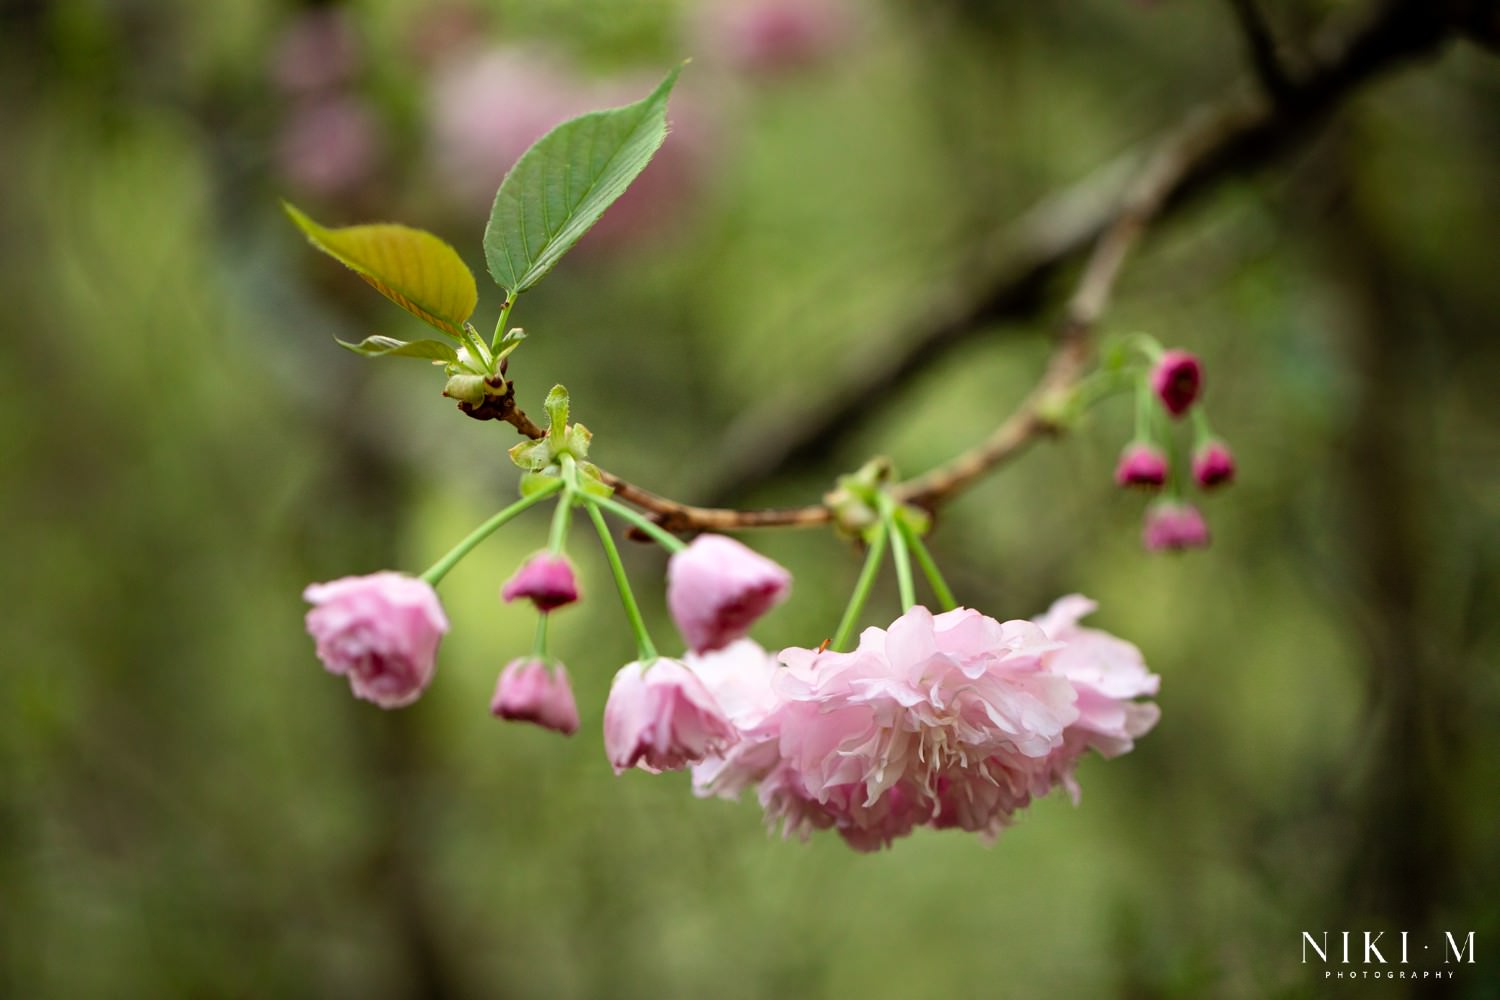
column 561, row 185
column 412, row 268
column 379, row 347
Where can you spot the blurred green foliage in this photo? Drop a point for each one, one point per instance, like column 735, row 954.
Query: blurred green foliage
column 191, row 807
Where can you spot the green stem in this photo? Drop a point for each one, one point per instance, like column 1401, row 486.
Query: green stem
column 539, row 644
column 1202, row 432
column 667, row 540
column 862, row 587
column 899, row 553
column 561, row 518
column 647, row 651
column 1145, row 401
column 510, row 301
column 439, row 569
column 929, row 567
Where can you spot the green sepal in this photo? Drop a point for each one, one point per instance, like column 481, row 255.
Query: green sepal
column 380, row 347
column 591, row 483
column 533, row 456
column 577, row 441
column 533, row 483
column 557, row 413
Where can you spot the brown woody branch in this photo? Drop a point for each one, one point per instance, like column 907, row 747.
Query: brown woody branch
column 1237, row 134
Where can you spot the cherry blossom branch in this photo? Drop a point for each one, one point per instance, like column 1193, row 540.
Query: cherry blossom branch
column 1239, row 133
column 787, row 432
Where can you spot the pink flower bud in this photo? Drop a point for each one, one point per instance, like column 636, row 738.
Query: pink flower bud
column 1171, row 524
column 660, row 717
column 529, row 692
column 381, row 630
column 717, row 588
column 545, row 579
column 774, row 36
column 1177, row 380
column 1213, row 465
column 1141, row 464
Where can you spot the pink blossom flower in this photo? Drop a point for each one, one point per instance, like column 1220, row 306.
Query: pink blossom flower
column 1108, row 673
column 717, row 588
column 1213, row 465
column 330, row 146
column 740, row 677
column 774, row 36
column 660, row 717
column 528, row 691
column 1177, row 381
column 546, row 580
column 1172, row 524
column 953, row 721
column 317, row 52
column 1141, row 464
column 381, row 630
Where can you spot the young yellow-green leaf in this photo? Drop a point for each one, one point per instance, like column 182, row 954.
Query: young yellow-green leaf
column 380, row 347
column 561, row 185
column 412, row 268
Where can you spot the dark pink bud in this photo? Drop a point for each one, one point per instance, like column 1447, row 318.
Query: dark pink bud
column 546, row 580
column 1172, row 524
column 1213, row 465
column 1177, row 380
column 1141, row 465
column 529, row 692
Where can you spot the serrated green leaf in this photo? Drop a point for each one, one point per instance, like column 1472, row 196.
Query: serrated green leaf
column 562, row 184
column 380, row 347
column 412, row 268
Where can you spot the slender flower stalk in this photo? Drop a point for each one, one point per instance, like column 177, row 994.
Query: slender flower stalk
column 899, row 552
column 644, row 646
column 862, row 587
column 667, row 540
column 929, row 566
column 439, row 569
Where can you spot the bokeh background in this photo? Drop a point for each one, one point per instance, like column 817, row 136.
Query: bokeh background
column 190, row 806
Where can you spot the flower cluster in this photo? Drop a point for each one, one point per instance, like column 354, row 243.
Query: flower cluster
column 944, row 721
column 1169, row 390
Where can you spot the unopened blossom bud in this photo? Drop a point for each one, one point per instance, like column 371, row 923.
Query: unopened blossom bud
column 1177, row 380
column 528, row 691
column 381, row 630
column 1172, row 524
column 661, row 717
column 545, row 579
column 717, row 588
column 1141, row 464
column 1213, row 465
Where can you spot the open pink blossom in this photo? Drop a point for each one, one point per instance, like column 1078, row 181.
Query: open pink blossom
column 1109, row 674
column 717, row 588
column 546, row 580
column 528, row 691
column 1213, row 465
column 1141, row 464
column 660, row 717
column 1177, row 380
column 1172, row 525
column 381, row 630
column 951, row 721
